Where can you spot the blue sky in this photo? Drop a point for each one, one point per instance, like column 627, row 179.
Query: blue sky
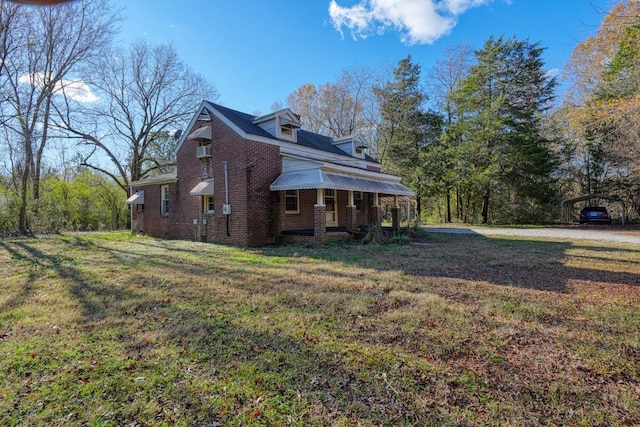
column 257, row 52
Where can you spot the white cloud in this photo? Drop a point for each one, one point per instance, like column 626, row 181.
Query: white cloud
column 419, row 21
column 458, row 7
column 76, row 90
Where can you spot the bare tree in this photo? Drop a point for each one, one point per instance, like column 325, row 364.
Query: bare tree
column 304, row 101
column 441, row 82
column 43, row 50
column 9, row 16
column 145, row 92
column 342, row 108
column 444, row 77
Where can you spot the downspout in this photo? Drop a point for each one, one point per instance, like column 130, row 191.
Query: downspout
column 130, row 211
column 226, row 194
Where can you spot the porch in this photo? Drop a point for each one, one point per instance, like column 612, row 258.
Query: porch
column 322, row 202
column 328, row 215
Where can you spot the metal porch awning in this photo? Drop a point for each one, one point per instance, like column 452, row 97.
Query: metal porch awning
column 136, row 199
column 317, row 178
column 203, row 132
column 203, row 188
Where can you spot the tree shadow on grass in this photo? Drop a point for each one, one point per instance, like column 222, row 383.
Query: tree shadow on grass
column 528, row 264
column 217, row 359
column 90, row 290
column 233, row 361
column 26, row 291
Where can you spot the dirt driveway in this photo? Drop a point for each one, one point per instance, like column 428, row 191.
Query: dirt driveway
column 617, row 234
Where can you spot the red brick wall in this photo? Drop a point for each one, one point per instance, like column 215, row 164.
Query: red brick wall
column 191, row 171
column 265, row 165
column 342, row 198
column 150, row 220
column 303, row 220
column 320, row 228
column 350, row 218
column 363, row 217
column 251, row 168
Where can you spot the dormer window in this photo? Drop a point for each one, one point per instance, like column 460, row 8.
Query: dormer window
column 353, row 145
column 286, row 130
column 283, row 124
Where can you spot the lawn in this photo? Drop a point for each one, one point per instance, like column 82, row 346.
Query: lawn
column 114, row 329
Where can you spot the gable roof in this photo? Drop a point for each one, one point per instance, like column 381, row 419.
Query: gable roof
column 286, row 114
column 245, row 123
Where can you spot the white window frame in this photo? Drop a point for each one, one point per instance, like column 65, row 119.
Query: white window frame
column 358, row 197
column 164, row 199
column 207, row 204
column 290, row 196
column 286, row 131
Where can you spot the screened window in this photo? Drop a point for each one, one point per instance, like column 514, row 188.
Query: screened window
column 164, row 199
column 291, row 201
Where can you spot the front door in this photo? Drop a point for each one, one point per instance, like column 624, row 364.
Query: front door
column 330, row 207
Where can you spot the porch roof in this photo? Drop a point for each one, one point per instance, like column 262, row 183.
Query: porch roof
column 136, row 198
column 203, row 132
column 318, row 178
column 203, row 188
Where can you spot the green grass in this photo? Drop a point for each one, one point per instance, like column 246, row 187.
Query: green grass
column 113, row 329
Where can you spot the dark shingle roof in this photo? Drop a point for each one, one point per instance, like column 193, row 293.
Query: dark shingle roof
column 320, row 142
column 244, row 121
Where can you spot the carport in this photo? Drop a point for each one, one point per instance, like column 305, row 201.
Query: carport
column 567, row 205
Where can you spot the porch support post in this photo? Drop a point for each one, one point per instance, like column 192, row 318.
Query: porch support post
column 319, row 223
column 395, row 215
column 376, row 211
column 319, row 217
column 351, row 213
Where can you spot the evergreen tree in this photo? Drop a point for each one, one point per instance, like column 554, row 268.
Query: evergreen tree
column 407, row 128
column 503, row 100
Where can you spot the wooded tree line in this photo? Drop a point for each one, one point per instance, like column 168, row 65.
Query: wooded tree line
column 78, row 111
column 482, row 136
column 485, row 135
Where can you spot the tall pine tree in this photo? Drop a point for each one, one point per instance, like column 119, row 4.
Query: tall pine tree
column 406, row 128
column 503, row 100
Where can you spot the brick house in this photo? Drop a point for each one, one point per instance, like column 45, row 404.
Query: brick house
column 250, row 181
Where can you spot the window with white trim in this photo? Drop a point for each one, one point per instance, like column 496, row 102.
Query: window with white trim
column 357, row 200
column 286, row 131
column 208, row 206
column 164, row 199
column 291, row 201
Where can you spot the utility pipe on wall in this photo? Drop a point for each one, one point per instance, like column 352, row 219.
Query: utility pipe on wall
column 226, row 183
column 226, row 193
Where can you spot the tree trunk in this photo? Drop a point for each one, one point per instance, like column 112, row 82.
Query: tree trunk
column 23, row 223
column 37, row 168
column 458, row 204
column 448, row 215
column 485, row 204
